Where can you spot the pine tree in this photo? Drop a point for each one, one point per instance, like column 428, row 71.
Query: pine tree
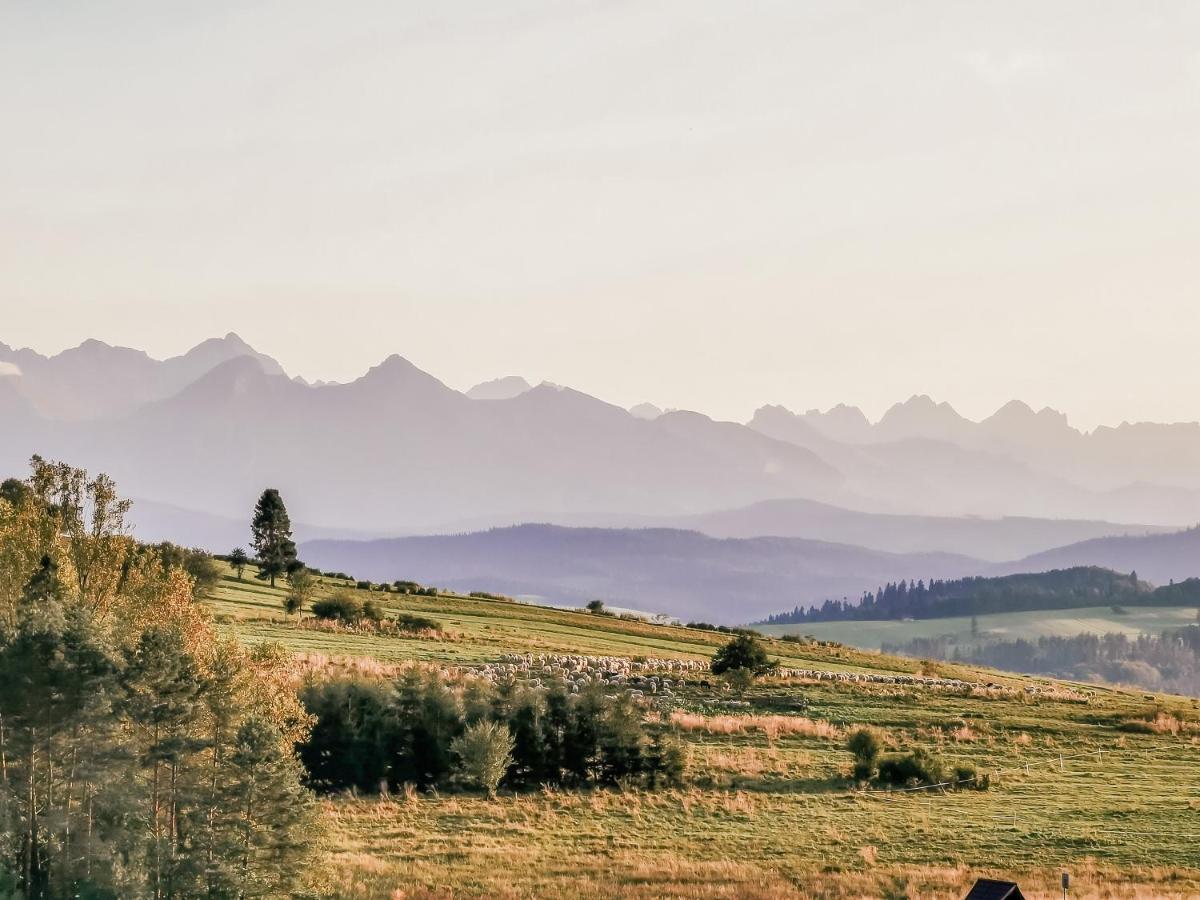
column 164, row 685
column 271, row 531
column 239, row 560
column 271, row 816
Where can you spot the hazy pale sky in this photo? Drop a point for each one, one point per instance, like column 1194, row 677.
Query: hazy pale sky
column 710, row 205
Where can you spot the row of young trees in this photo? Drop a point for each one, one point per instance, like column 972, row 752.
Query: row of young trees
column 425, row 730
column 140, row 755
column 1059, row 589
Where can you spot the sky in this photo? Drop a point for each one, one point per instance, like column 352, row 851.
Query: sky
column 706, row 205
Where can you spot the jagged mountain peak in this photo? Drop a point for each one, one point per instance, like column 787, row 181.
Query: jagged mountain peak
column 503, row 388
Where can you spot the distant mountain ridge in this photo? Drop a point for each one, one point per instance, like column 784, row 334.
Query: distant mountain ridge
column 96, row 380
column 397, row 451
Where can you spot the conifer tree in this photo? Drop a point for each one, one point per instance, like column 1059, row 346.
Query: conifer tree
column 271, row 531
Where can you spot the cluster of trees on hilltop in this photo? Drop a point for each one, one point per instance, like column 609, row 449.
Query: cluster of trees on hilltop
column 1167, row 662
column 140, row 754
column 1060, row 589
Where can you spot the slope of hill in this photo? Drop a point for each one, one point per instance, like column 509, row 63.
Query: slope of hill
column 996, row 540
column 1070, row 588
column 1024, row 625
column 1161, row 558
column 760, row 774
column 681, row 573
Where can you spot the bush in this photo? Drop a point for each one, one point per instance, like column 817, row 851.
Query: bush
column 410, row 622
column 406, row 587
column 866, row 746
column 362, row 585
column 666, row 761
column 339, row 607
column 966, row 778
column 484, row 595
column 372, row 611
column 743, row 652
column 911, row 769
column 199, row 566
column 484, row 752
column 596, row 607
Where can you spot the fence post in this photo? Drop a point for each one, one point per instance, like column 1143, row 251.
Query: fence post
column 1060, row 762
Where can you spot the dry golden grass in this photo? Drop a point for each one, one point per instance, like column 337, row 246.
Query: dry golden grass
column 770, row 726
column 965, row 734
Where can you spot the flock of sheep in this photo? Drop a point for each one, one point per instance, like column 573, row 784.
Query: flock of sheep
column 659, row 677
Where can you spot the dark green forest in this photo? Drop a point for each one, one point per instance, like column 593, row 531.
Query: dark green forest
column 1060, row 589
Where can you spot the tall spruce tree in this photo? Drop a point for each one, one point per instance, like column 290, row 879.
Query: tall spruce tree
column 271, row 532
column 272, row 817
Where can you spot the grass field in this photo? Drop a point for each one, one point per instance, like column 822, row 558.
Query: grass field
column 768, row 811
column 1008, row 626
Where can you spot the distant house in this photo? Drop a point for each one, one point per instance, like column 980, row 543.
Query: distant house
column 988, row 889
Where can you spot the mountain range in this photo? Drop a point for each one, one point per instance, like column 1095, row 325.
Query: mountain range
column 399, row 453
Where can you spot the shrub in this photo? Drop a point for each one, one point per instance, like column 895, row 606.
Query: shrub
column 911, row 769
column 339, row 607
column 484, row 595
column 966, row 778
column 362, row 585
column 739, row 680
column 199, row 566
column 406, row 587
column 410, row 622
column 596, row 607
column 372, row 611
column 666, row 761
column 866, row 746
column 745, row 651
column 484, row 752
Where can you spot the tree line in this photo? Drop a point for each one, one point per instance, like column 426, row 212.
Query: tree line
column 937, row 598
column 427, row 730
column 1166, row 662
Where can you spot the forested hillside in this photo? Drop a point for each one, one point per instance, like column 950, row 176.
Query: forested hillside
column 1059, row 589
column 1166, row 662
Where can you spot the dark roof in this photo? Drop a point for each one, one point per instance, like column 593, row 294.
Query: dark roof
column 987, row 889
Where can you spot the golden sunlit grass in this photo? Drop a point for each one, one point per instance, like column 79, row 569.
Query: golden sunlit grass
column 769, row 809
column 770, row 726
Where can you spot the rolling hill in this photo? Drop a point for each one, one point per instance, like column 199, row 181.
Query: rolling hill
column 1161, row 558
column 680, row 573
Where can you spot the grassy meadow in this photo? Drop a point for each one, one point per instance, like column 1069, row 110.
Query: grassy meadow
column 1030, row 625
column 768, row 810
